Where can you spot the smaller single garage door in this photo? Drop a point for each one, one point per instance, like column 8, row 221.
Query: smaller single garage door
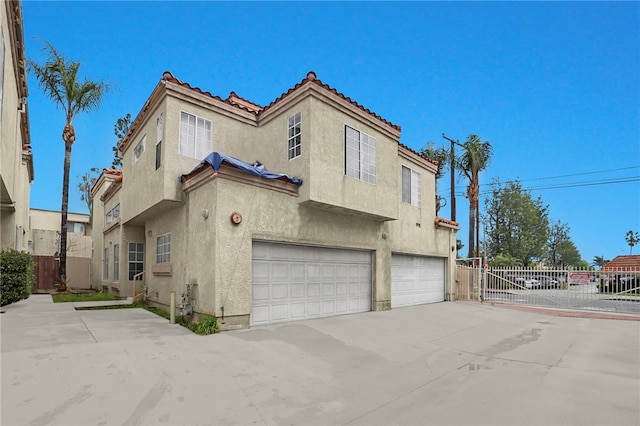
column 291, row 282
column 416, row 280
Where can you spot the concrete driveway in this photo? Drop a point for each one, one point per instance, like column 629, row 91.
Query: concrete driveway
column 457, row 363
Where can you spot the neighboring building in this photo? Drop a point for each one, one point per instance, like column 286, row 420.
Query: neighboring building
column 44, row 245
column 359, row 233
column 16, row 161
column 630, row 263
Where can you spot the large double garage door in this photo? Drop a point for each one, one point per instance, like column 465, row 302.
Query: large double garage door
column 292, row 282
column 416, row 280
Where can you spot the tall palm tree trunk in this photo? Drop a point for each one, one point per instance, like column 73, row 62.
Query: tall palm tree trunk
column 472, row 220
column 69, row 136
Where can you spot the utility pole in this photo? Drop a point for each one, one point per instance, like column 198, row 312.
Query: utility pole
column 453, row 179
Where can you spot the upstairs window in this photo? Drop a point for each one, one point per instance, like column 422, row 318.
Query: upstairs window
column 360, row 155
column 112, row 214
column 75, row 227
column 159, row 141
column 163, row 248
column 411, row 186
column 139, row 149
column 294, row 136
column 195, row 136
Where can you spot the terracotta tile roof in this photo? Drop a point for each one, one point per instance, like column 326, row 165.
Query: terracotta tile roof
column 254, row 108
column 623, row 263
column 234, row 99
column 115, row 172
column 440, row 221
column 434, row 162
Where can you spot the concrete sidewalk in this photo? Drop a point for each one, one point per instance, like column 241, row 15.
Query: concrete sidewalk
column 452, row 363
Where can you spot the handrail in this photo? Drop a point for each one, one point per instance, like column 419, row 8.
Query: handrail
column 135, row 278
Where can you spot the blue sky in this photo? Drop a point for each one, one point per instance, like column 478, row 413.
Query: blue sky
column 555, row 87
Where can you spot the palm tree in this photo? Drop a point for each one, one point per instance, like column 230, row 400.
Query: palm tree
column 441, row 156
column 599, row 261
column 476, row 157
column 632, row 238
column 58, row 78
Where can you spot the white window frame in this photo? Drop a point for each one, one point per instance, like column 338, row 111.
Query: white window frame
column 138, row 259
column 163, row 248
column 195, row 136
column 116, row 262
column 113, row 214
column 105, row 269
column 411, row 186
column 140, row 148
column 359, row 155
column 159, row 130
column 294, row 136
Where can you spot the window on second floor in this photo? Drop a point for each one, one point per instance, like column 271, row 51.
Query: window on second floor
column 112, row 214
column 163, row 248
column 411, row 186
column 294, row 136
column 360, row 155
column 195, row 136
column 139, row 149
column 159, row 141
column 75, row 227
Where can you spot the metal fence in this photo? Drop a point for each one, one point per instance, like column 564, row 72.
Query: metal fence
column 611, row 290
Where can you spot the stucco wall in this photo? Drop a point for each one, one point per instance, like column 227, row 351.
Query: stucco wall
column 14, row 174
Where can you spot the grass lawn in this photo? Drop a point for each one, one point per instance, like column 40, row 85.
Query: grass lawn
column 83, row 297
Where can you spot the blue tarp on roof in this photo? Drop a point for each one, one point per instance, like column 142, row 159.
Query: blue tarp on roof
column 215, row 159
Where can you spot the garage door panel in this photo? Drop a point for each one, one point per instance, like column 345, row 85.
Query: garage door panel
column 298, row 290
column 313, row 290
column 295, row 282
column 416, row 280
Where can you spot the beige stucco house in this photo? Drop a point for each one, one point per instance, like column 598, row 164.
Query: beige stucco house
column 16, row 161
column 347, row 225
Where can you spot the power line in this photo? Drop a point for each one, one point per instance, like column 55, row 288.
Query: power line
column 578, row 184
column 568, row 185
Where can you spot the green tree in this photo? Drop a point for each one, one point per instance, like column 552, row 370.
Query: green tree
column 84, row 186
column 58, row 78
column 120, row 129
column 562, row 250
column 441, row 156
column 474, row 159
column 599, row 261
column 632, row 238
column 517, row 224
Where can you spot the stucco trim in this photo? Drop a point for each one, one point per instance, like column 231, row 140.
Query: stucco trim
column 206, row 175
column 408, row 154
column 162, row 269
column 111, row 226
column 328, row 97
column 210, row 103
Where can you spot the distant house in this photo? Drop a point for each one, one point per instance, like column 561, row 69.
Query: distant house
column 307, row 207
column 44, row 245
column 629, row 263
column 16, row 160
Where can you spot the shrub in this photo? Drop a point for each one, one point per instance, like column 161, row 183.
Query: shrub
column 206, row 325
column 17, row 276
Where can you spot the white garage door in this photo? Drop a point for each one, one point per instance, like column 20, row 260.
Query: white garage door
column 416, row 280
column 293, row 282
